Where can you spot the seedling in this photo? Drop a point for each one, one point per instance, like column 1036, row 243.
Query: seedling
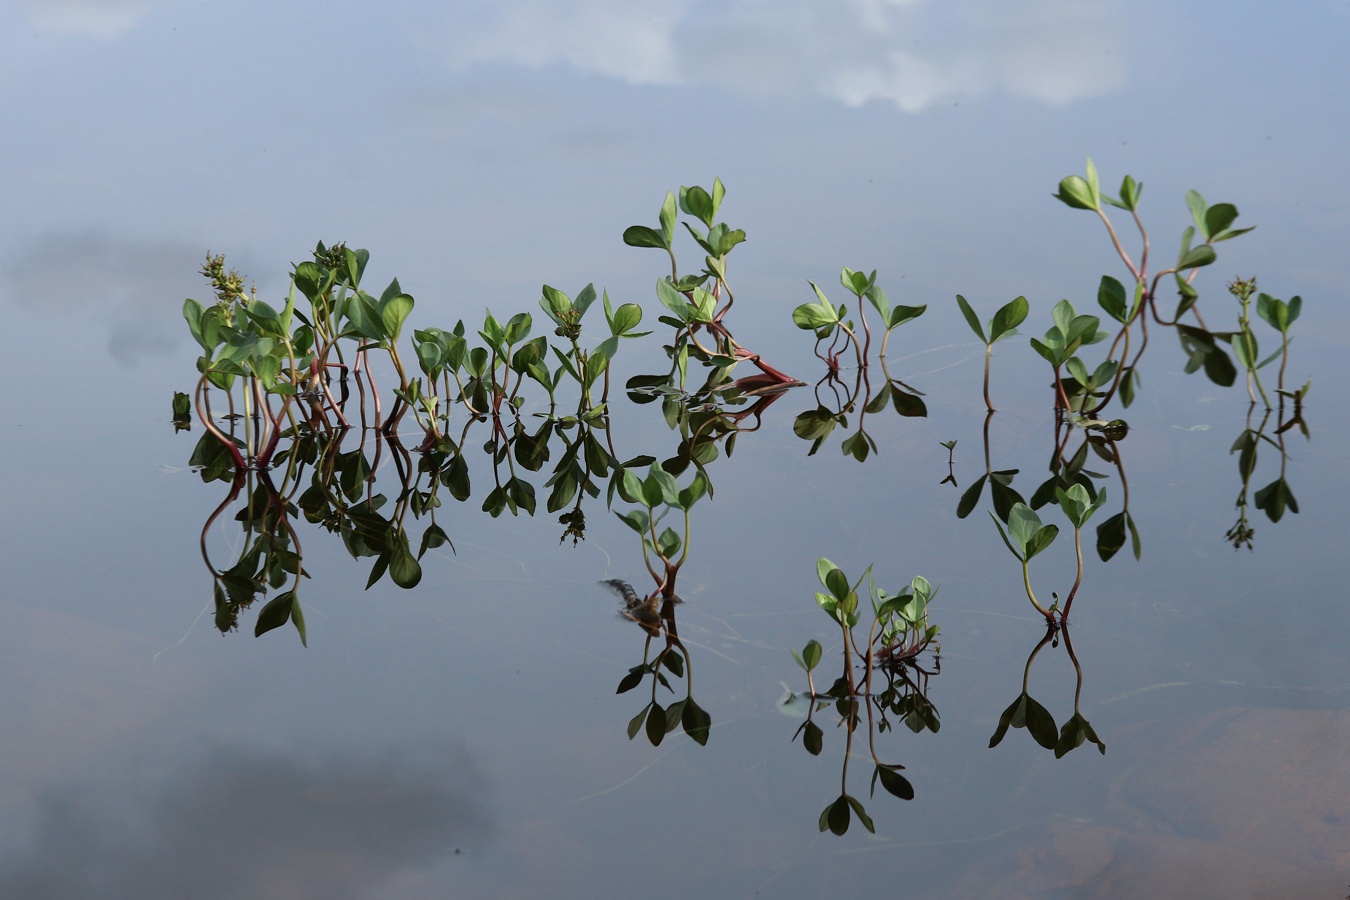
column 1003, row 324
column 1025, row 538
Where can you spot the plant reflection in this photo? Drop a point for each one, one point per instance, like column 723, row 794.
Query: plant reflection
column 835, row 336
column 1026, row 713
column 900, row 633
column 655, row 614
column 294, row 440
column 1275, row 498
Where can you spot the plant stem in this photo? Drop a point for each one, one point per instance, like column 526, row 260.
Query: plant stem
column 1026, row 580
column 1078, row 550
column 988, row 353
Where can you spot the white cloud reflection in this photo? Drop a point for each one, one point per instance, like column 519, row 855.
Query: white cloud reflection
column 104, row 19
column 132, row 287
column 910, row 53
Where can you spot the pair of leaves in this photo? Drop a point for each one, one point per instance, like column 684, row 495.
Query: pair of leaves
column 1026, row 713
column 1026, row 536
column 1069, row 332
column 1078, row 504
column 809, row 658
column 1278, row 314
column 1003, row 495
column 278, row 611
column 1003, row 324
column 660, row 488
column 838, row 815
column 841, row 603
column 659, row 721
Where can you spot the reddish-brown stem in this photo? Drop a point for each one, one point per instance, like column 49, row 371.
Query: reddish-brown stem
column 205, row 417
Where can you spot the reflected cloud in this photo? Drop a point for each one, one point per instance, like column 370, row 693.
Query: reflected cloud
column 910, row 53
column 135, row 288
column 105, row 19
column 246, row 826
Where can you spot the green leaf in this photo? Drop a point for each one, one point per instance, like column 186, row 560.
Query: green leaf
column 1013, row 713
column 1129, row 194
column 704, row 305
column 894, row 783
column 837, row 584
column 857, row 445
column 642, row 236
column 666, row 484
column 656, row 724
column 1094, row 184
column 1078, row 371
column 1041, row 724
column 1023, row 525
column 1198, row 207
column 692, row 494
column 811, row 654
column 1218, row 217
column 1017, row 551
column 298, row 620
column 696, row 721
column 696, row 202
column 815, row 317
column 907, row 404
column 275, row 613
column 836, row 817
column 861, row 813
column 404, row 568
column 901, row 314
column 626, row 318
column 1111, row 297
column 813, row 739
column 966, row 505
column 971, row 319
column 674, row 301
column 635, row 723
column 1007, row 318
column 1274, row 312
column 394, row 313
column 1075, row 192
column 630, row 681
column 1041, row 539
column 668, row 543
column 1275, row 498
column 667, row 218
column 823, row 569
column 880, row 302
column 1196, row 257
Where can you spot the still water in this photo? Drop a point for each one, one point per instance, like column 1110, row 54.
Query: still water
column 464, row 737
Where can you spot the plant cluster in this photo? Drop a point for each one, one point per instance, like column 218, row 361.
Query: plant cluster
column 835, row 334
column 899, row 633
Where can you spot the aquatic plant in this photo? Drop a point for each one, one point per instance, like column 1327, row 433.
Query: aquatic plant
column 1026, row 537
column 831, row 323
column 899, row 633
column 1025, row 712
column 1003, row 324
column 1212, row 223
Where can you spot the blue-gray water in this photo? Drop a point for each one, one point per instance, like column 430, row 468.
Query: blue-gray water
column 464, row 738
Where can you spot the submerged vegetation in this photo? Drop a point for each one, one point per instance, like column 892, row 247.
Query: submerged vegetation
column 285, row 429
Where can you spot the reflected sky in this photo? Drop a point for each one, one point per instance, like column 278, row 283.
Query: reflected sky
column 482, row 149
column 239, row 825
column 457, row 139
